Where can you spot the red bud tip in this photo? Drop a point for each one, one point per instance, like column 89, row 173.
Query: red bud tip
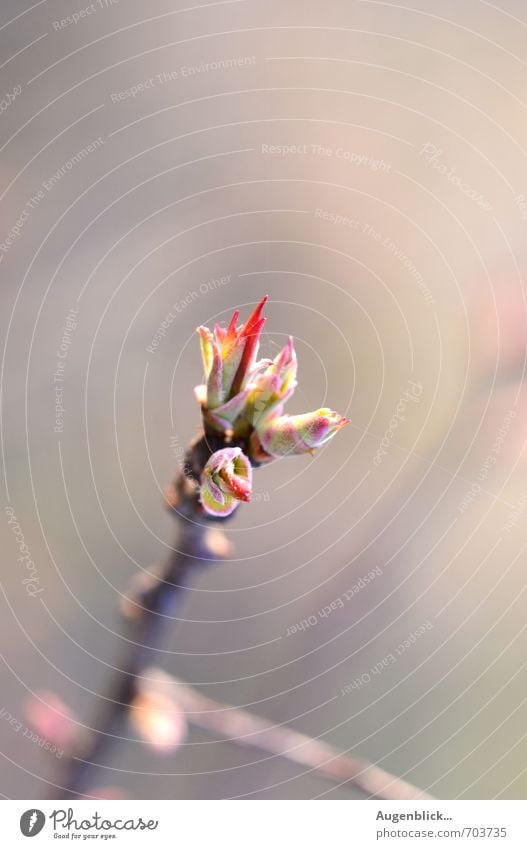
column 254, row 318
column 230, row 334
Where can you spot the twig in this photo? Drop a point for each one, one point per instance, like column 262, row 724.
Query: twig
column 246, row 729
column 148, row 607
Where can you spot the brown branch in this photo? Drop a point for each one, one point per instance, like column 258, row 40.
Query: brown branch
column 148, row 608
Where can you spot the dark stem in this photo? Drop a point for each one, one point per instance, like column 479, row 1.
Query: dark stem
column 149, row 609
column 147, row 634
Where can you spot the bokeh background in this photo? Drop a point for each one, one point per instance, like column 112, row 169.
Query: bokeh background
column 363, row 163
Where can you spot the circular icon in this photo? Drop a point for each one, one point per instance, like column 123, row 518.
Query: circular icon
column 32, row 822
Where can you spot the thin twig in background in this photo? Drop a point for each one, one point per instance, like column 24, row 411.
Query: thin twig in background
column 247, row 729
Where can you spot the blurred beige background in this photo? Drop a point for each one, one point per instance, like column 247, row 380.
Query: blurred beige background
column 364, row 164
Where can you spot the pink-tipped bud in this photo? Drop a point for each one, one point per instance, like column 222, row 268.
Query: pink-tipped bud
column 52, row 719
column 229, row 357
column 273, row 386
column 285, row 436
column 226, row 480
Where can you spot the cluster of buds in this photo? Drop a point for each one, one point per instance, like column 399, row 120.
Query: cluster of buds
column 242, row 402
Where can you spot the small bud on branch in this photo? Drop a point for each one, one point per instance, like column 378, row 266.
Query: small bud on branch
column 226, row 480
column 287, row 435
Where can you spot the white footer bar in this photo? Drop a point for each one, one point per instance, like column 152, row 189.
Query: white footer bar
column 265, row 824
